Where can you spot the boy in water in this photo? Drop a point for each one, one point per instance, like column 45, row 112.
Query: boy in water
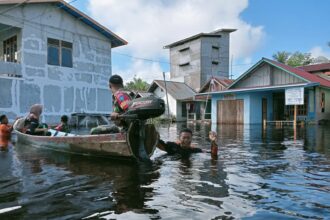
column 183, row 146
column 5, row 132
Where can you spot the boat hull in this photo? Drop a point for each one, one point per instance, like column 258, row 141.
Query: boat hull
column 121, row 145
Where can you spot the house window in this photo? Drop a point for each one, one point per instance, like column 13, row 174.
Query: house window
column 10, row 49
column 59, row 53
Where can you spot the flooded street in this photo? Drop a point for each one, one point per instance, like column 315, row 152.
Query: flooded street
column 260, row 174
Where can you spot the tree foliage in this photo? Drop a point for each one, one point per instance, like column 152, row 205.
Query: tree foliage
column 281, row 56
column 293, row 59
column 137, row 85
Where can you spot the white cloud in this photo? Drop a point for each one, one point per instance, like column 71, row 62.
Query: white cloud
column 319, row 51
column 141, row 69
column 149, row 25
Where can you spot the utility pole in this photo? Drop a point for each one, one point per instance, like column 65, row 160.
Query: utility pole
column 168, row 106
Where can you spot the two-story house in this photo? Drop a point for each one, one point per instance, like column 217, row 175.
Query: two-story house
column 53, row 54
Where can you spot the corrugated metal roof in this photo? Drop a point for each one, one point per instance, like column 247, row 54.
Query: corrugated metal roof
column 261, row 88
column 177, row 90
column 306, row 76
column 316, row 67
column 216, row 33
column 116, row 41
column 225, row 82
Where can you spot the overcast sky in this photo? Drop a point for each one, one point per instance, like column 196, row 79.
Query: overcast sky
column 263, row 28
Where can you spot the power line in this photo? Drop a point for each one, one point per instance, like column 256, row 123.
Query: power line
column 32, row 24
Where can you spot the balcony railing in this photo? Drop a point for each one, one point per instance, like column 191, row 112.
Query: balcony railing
column 10, row 69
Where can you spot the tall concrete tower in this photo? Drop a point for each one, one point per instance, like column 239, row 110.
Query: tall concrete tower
column 195, row 59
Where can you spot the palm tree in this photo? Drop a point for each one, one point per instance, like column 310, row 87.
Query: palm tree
column 281, row 56
column 137, row 85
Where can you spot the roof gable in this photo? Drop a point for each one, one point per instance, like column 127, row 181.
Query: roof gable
column 301, row 73
column 271, row 73
column 177, row 90
column 115, row 39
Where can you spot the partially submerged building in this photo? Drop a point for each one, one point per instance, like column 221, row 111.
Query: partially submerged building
column 258, row 95
column 177, row 93
column 197, row 62
column 53, row 54
column 199, row 106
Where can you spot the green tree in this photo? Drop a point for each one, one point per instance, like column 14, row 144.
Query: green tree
column 295, row 59
column 281, row 56
column 137, row 85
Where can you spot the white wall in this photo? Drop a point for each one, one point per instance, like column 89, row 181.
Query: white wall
column 62, row 90
column 172, row 102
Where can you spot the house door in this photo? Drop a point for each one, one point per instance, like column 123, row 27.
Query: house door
column 230, row 112
column 278, row 106
column 264, row 109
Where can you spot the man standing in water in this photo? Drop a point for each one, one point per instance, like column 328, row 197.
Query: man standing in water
column 183, row 145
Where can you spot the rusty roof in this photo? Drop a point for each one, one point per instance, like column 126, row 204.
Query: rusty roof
column 316, row 67
column 225, row 82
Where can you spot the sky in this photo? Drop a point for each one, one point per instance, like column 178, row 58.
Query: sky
column 264, row 27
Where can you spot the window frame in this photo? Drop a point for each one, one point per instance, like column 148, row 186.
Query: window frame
column 60, row 45
column 10, row 52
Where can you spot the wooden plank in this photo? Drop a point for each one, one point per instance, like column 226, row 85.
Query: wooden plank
column 230, row 112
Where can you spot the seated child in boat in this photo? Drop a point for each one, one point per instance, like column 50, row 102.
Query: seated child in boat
column 63, row 126
column 5, row 132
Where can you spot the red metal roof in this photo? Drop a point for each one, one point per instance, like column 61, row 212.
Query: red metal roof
column 300, row 72
column 316, row 67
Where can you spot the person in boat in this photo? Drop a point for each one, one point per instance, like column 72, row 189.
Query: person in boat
column 32, row 125
column 120, row 104
column 184, row 146
column 63, row 126
column 5, row 132
column 120, row 99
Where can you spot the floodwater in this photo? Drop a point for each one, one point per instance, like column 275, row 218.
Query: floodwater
column 270, row 173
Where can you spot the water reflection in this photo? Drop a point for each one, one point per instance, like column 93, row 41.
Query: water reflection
column 77, row 187
column 261, row 173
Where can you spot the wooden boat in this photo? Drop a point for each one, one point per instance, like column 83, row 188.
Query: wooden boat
column 119, row 145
